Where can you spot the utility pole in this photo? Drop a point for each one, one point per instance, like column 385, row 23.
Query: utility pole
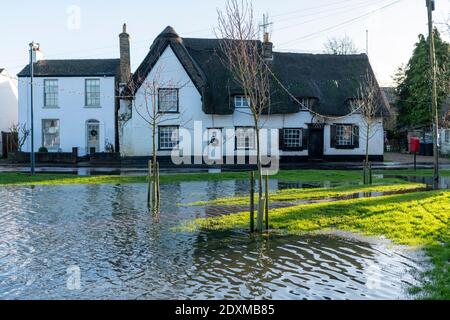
column 33, row 48
column 435, row 112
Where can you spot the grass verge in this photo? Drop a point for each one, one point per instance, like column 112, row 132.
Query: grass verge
column 333, row 176
column 63, row 179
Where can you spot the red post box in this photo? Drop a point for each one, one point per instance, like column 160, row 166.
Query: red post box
column 414, row 145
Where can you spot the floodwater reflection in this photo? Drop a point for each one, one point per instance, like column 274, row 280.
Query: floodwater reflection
column 123, row 252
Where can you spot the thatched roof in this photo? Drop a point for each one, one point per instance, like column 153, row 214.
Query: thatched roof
column 330, row 79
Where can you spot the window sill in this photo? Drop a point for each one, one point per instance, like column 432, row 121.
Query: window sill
column 293, row 149
column 168, row 112
column 92, row 107
column 50, row 107
column 345, row 147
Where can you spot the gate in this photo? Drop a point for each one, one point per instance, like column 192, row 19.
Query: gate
column 9, row 143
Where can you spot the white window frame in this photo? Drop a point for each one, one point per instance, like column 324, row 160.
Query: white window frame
column 51, row 93
column 168, row 100
column 289, row 134
column 341, row 140
column 307, row 103
column 241, row 102
column 92, row 97
column 56, row 133
column 168, row 141
column 245, row 138
column 447, row 136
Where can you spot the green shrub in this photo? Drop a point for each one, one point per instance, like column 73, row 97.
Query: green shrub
column 43, row 150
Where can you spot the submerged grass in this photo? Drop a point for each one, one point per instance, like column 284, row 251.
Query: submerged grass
column 417, row 219
column 388, row 186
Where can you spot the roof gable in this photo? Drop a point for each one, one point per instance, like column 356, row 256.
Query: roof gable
column 168, row 38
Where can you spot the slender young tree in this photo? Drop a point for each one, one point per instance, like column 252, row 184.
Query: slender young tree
column 20, row 134
column 242, row 55
column 150, row 92
column 367, row 104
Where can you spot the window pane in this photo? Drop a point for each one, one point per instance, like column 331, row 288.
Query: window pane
column 293, row 138
column 50, row 134
column 168, row 138
column 344, row 135
column 241, row 102
column 245, row 139
column 93, row 92
column 168, row 100
column 51, row 93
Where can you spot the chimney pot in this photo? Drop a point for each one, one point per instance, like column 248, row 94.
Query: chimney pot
column 267, row 48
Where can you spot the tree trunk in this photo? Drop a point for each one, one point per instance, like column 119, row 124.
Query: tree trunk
column 260, row 215
column 366, row 166
column 155, row 180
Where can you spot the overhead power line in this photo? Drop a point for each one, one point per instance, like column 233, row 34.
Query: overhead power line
column 341, row 24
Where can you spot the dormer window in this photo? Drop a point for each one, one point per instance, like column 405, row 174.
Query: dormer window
column 307, row 103
column 241, row 102
column 356, row 104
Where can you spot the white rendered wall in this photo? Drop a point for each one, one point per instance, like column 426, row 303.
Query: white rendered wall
column 445, row 146
column 71, row 112
column 136, row 137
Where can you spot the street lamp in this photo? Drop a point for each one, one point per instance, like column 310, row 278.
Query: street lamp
column 33, row 48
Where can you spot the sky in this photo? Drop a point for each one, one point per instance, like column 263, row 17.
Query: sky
column 81, row 29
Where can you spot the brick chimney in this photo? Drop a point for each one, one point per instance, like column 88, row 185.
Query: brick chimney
column 267, row 48
column 125, row 60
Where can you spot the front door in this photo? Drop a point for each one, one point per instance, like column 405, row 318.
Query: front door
column 93, row 136
column 315, row 145
column 215, row 144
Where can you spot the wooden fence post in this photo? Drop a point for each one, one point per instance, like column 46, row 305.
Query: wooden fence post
column 158, row 186
column 149, row 190
column 267, row 202
column 252, row 202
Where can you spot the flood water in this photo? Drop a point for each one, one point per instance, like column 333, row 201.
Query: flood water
column 123, row 252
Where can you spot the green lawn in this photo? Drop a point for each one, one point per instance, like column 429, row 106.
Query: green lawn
column 294, row 175
column 334, row 176
column 417, row 219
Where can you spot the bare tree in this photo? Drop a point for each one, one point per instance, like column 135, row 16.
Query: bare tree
column 20, row 132
column 242, row 55
column 340, row 46
column 148, row 107
column 367, row 104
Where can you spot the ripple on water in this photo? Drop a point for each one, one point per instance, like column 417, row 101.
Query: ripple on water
column 126, row 253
